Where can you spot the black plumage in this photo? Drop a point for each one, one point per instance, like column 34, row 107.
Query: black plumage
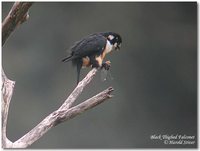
column 90, row 46
column 91, row 50
column 93, row 44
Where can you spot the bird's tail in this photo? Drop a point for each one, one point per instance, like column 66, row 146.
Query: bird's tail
column 68, row 58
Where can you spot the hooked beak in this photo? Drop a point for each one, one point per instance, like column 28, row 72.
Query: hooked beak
column 117, row 48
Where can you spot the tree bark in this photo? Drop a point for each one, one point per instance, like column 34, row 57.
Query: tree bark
column 17, row 15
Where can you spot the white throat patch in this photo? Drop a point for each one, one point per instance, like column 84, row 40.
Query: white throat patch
column 109, row 47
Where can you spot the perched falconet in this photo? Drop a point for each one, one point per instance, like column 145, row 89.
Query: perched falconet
column 91, row 50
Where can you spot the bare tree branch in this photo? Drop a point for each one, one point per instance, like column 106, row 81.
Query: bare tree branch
column 17, row 15
column 7, row 91
column 63, row 114
column 59, row 116
column 77, row 91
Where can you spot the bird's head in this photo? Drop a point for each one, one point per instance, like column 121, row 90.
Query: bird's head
column 114, row 38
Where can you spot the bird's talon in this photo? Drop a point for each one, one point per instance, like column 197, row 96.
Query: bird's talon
column 106, row 65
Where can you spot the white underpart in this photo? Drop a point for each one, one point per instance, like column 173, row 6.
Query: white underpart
column 109, row 47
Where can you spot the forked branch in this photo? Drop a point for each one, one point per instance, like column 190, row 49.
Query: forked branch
column 17, row 15
column 64, row 113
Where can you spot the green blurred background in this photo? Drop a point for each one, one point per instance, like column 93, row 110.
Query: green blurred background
column 155, row 73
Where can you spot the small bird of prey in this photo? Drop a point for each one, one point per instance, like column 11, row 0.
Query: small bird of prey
column 92, row 49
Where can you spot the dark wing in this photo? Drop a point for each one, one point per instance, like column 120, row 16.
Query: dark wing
column 91, row 45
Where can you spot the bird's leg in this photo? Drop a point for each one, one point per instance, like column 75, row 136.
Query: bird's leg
column 106, row 65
